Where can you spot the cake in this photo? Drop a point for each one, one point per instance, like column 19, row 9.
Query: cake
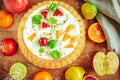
column 51, row 34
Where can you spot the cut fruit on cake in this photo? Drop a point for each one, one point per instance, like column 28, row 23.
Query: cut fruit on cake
column 45, row 32
column 105, row 64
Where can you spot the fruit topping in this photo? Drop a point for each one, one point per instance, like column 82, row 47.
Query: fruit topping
column 44, row 25
column 52, row 44
column 58, row 33
column 18, row 71
column 96, row 33
column 36, row 19
column 66, row 36
column 69, row 45
column 52, row 20
column 8, row 47
column 58, row 12
column 44, row 13
column 89, row 10
column 16, row 6
column 53, row 7
column 41, row 50
column 55, row 54
column 74, row 39
column 74, row 73
column 6, row 19
column 43, row 41
column 31, row 37
column 104, row 64
column 42, row 75
column 90, row 77
column 69, row 28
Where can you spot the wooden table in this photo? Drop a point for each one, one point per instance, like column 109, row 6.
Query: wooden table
column 85, row 60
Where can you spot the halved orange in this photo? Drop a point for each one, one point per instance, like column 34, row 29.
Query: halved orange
column 96, row 33
column 90, row 77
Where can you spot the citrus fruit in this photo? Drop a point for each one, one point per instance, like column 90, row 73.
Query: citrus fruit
column 96, row 33
column 90, row 77
column 75, row 73
column 6, row 19
column 89, row 10
column 18, row 71
column 42, row 75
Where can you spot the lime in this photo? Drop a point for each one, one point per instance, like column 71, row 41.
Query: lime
column 18, row 71
column 89, row 10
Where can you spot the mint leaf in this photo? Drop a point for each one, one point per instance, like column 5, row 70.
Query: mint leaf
column 36, row 19
column 52, row 20
column 53, row 7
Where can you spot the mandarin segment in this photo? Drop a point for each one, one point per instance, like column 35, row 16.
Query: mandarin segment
column 74, row 39
column 69, row 28
column 66, row 36
column 70, row 45
column 58, row 33
column 31, row 37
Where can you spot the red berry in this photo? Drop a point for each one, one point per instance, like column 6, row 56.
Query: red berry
column 43, row 41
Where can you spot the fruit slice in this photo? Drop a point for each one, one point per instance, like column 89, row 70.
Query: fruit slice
column 31, row 37
column 105, row 63
column 55, row 54
column 74, row 39
column 18, row 71
column 89, row 10
column 58, row 33
column 66, row 36
column 58, row 12
column 70, row 45
column 42, row 75
column 52, row 43
column 44, row 25
column 96, row 33
column 69, row 28
column 90, row 77
column 75, row 73
column 44, row 13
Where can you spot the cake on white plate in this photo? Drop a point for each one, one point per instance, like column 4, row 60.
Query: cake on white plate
column 51, row 34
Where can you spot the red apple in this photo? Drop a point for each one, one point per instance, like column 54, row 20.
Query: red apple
column 16, row 6
column 8, row 46
column 104, row 64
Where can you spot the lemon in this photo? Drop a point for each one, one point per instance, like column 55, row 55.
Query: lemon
column 89, row 10
column 74, row 73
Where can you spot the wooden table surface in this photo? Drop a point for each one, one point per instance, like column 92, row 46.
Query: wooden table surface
column 85, row 60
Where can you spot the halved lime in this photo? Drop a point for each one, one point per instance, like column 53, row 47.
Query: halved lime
column 18, row 71
column 89, row 10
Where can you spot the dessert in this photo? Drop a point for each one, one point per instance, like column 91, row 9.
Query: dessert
column 51, row 34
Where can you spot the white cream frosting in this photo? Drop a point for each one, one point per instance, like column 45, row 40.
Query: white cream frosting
column 34, row 46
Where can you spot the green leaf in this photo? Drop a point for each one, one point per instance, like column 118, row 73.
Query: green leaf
column 36, row 19
column 55, row 54
column 52, row 20
column 53, row 7
column 52, row 43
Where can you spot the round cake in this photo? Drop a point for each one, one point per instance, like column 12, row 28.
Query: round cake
column 51, row 34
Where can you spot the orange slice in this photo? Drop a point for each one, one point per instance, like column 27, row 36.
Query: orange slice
column 31, row 36
column 96, row 33
column 70, row 45
column 66, row 36
column 58, row 33
column 74, row 39
column 69, row 28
